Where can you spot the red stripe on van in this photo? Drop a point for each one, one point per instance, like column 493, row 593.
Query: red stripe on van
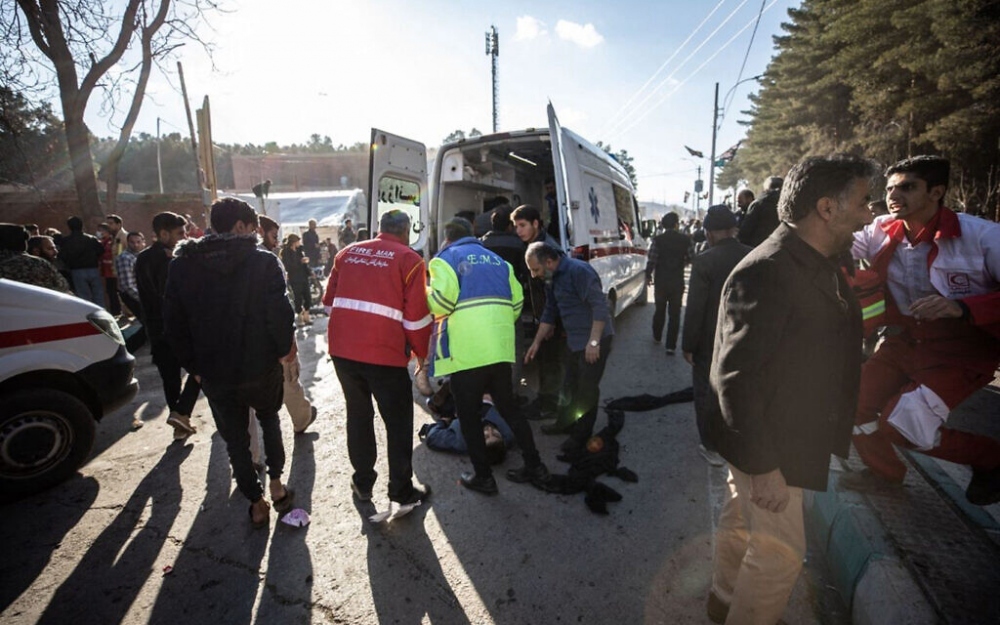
column 612, row 251
column 30, row 336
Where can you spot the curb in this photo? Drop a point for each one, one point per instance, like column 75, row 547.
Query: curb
column 863, row 563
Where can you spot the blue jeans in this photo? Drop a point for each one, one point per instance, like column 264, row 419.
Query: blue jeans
column 89, row 285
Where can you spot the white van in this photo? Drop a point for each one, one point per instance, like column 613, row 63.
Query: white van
column 597, row 213
column 63, row 366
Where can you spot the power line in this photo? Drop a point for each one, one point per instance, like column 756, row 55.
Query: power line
column 661, row 68
column 683, row 63
column 725, row 105
column 691, row 75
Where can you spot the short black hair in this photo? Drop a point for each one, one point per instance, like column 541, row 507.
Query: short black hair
column 528, row 213
column 114, row 218
column 75, row 224
column 500, row 219
column 13, row 237
column 934, row 170
column 774, row 183
column 670, row 221
column 134, row 233
column 35, row 243
column 228, row 211
column 457, row 228
column 267, row 224
column 395, row 222
column 818, row 177
column 167, row 221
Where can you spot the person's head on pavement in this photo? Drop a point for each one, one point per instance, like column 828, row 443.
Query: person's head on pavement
column 825, row 199
column 542, row 260
column 169, row 229
column 719, row 224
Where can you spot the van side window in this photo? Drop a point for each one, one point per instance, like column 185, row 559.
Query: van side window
column 625, row 210
column 396, row 194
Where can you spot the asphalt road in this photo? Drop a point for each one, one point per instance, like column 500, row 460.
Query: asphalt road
column 96, row 548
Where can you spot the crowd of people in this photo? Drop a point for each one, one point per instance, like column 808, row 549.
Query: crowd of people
column 773, row 330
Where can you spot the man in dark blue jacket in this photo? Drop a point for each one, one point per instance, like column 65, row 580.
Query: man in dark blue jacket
column 228, row 318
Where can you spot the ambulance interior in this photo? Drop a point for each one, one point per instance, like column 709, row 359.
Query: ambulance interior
column 473, row 178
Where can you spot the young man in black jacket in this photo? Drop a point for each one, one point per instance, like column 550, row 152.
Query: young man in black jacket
column 151, row 280
column 228, row 318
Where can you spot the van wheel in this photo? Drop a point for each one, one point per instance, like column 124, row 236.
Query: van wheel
column 45, row 436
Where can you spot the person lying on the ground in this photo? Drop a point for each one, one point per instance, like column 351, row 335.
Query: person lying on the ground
column 446, row 434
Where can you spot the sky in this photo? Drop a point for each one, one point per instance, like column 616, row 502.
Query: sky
column 638, row 75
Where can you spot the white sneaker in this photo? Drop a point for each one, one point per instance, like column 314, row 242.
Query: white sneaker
column 713, row 458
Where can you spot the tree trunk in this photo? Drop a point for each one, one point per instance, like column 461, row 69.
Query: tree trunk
column 78, row 142
column 111, row 179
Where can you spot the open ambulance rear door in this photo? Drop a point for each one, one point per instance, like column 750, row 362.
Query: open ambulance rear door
column 397, row 180
column 562, row 185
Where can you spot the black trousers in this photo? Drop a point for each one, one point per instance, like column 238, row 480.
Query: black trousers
column 178, row 400
column 111, row 288
column 667, row 296
column 551, row 372
column 583, row 386
column 468, row 388
column 708, row 413
column 391, row 388
column 301, row 295
column 231, row 406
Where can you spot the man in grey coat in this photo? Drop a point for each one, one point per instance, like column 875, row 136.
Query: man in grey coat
column 786, row 367
column 709, row 271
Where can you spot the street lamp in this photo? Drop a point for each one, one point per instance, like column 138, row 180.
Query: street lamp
column 715, row 130
column 159, row 164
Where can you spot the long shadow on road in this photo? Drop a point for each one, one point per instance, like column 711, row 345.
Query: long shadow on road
column 53, row 514
column 216, row 575
column 118, row 562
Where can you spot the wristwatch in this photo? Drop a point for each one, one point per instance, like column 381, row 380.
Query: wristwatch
column 594, row 343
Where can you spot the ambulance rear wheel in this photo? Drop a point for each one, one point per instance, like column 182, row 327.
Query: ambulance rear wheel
column 45, row 436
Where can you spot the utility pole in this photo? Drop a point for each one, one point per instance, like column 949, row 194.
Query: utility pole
column 194, row 140
column 493, row 51
column 698, row 186
column 159, row 164
column 711, row 161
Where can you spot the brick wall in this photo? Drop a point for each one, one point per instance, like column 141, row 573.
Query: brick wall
column 50, row 210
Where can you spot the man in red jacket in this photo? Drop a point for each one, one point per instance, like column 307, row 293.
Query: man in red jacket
column 377, row 300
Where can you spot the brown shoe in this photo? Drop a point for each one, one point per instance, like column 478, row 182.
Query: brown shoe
column 716, row 609
column 259, row 514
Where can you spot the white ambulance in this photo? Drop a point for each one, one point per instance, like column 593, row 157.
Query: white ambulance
column 63, row 366
column 596, row 210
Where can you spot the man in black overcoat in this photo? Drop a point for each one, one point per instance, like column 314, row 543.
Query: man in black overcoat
column 786, row 368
